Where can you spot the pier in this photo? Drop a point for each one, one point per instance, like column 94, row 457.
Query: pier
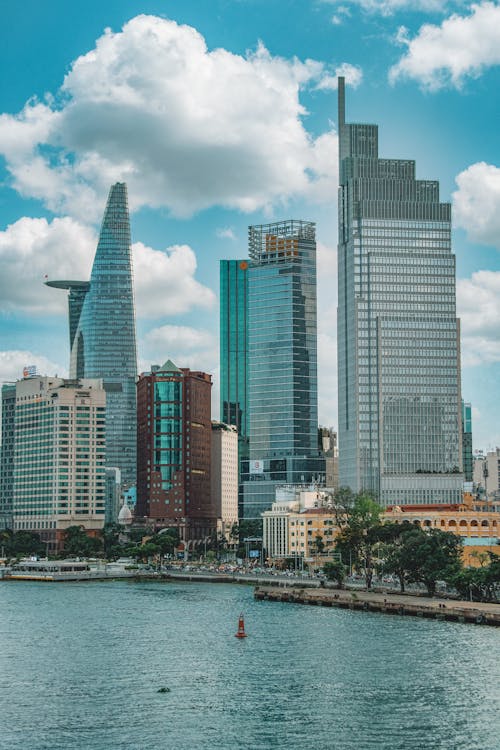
column 478, row 613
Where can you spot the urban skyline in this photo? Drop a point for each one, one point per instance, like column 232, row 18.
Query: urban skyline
column 75, row 143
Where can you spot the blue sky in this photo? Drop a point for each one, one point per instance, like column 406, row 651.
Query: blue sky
column 222, row 114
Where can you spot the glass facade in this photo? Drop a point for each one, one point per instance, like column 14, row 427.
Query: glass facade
column 234, row 348
column 7, row 455
column 104, row 345
column 467, row 441
column 282, row 362
column 398, row 336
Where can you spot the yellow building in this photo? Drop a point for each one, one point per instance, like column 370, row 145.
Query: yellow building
column 477, row 522
column 311, row 533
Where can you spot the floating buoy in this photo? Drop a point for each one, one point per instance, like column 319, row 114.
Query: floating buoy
column 241, row 628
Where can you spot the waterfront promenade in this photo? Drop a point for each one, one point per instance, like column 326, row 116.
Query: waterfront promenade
column 480, row 613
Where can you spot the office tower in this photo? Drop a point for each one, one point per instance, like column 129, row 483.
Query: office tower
column 59, row 456
column 7, row 455
column 398, row 336
column 234, row 348
column 468, row 461
column 282, row 362
column 173, row 450
column 102, row 331
column 77, row 291
column 224, row 476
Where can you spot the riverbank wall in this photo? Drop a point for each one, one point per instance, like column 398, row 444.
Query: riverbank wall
column 392, row 604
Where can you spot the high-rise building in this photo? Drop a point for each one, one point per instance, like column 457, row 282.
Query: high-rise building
column 224, row 476
column 173, row 450
column 282, row 363
column 59, row 456
column 398, row 335
column 102, row 331
column 234, row 348
column 467, row 457
column 7, row 455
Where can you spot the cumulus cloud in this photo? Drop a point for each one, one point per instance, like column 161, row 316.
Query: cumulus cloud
column 461, row 47
column 32, row 248
column 63, row 248
column 186, row 127
column 478, row 303
column 195, row 348
column 13, row 361
column 165, row 283
column 476, row 203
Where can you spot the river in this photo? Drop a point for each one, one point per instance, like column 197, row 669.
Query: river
column 81, row 665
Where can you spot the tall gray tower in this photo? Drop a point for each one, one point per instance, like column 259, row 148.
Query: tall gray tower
column 102, row 331
column 398, row 335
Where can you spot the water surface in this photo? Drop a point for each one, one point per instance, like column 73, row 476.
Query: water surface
column 81, row 664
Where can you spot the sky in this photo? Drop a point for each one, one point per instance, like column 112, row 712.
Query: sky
column 220, row 114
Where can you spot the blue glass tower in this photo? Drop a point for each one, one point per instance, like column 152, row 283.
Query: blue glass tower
column 103, row 345
column 282, row 362
column 398, row 335
column 234, row 348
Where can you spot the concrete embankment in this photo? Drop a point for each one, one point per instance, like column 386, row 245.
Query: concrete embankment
column 396, row 604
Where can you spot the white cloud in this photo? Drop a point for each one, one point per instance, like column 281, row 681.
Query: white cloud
column 186, row 127
column 195, row 348
column 352, row 73
column 225, row 233
column 32, row 248
column 13, row 361
column 478, row 303
column 461, row 47
column 165, row 283
column 388, row 7
column 476, row 203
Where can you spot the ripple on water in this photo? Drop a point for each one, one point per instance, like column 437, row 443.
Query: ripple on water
column 80, row 666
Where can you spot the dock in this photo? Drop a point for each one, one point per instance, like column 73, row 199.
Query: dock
column 451, row 610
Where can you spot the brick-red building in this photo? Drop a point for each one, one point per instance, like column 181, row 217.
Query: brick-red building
column 173, row 450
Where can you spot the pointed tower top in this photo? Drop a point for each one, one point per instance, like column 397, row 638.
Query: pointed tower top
column 169, row 367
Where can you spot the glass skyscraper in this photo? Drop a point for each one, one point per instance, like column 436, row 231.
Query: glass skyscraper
column 102, row 331
column 282, row 362
column 398, row 335
column 234, row 348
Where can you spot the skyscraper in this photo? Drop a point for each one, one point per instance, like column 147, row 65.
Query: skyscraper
column 7, row 455
column 234, row 348
column 468, row 460
column 102, row 331
column 398, row 335
column 282, row 362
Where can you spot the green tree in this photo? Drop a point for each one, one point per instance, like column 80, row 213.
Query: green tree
column 479, row 584
column 359, row 522
column 319, row 544
column 78, row 544
column 431, row 555
column 392, row 550
column 335, row 570
column 111, row 541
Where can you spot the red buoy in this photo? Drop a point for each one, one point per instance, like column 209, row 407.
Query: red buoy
column 241, row 628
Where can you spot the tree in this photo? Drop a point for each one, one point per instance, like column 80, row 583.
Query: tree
column 111, row 540
column 359, row 524
column 431, row 555
column 319, row 544
column 479, row 584
column 78, row 544
column 394, row 559
column 335, row 570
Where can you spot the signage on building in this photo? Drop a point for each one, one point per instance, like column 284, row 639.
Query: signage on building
column 29, row 371
column 256, row 467
column 254, row 553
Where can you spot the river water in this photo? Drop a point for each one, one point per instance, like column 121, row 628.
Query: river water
column 81, row 665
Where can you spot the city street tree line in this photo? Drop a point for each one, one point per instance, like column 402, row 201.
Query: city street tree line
column 408, row 552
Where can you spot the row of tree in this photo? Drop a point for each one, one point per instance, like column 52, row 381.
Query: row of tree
column 408, row 552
